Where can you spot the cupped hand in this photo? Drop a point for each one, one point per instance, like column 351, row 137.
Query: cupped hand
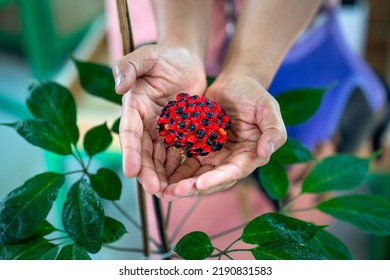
column 256, row 131
column 149, row 77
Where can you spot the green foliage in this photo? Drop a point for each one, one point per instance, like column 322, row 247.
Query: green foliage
column 54, row 103
column 299, row 105
column 38, row 249
column 274, row 179
column 83, row 216
column 329, row 246
column 26, row 207
column 106, row 183
column 336, row 173
column 97, row 140
column 43, row 134
column 292, row 152
column 113, row 230
column 274, row 227
column 284, row 251
column 194, row 246
column 73, row 252
column 369, row 213
column 25, row 232
column 98, row 81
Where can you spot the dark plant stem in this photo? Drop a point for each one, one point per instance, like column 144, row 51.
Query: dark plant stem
column 161, row 226
column 168, row 216
column 144, row 219
column 227, row 231
column 185, row 218
column 300, row 209
column 123, row 249
column 221, row 253
column 133, row 222
column 290, row 202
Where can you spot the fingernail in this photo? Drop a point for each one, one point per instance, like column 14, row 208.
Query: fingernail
column 270, row 148
column 119, row 79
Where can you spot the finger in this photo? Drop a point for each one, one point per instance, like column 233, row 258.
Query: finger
column 227, row 174
column 181, row 189
column 173, row 161
column 184, row 171
column 273, row 130
column 148, row 176
column 133, row 65
column 130, row 135
column 159, row 156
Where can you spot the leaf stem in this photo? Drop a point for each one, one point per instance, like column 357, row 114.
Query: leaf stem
column 300, row 209
column 291, row 201
column 227, row 231
column 133, row 222
column 168, row 216
column 74, row 172
column 221, row 253
column 185, row 218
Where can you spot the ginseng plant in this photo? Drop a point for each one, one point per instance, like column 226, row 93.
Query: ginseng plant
column 84, row 228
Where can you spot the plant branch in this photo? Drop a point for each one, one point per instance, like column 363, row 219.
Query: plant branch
column 227, row 231
column 185, row 218
column 132, row 221
column 161, row 226
column 168, row 216
column 290, row 202
column 221, row 253
column 300, row 209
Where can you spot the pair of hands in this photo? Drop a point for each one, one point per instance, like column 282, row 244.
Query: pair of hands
column 151, row 76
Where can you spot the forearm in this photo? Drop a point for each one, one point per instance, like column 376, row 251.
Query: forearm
column 265, row 31
column 184, row 23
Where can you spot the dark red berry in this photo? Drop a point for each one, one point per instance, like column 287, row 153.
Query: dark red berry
column 197, row 125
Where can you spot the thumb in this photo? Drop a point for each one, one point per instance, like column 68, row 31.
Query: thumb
column 273, row 135
column 132, row 66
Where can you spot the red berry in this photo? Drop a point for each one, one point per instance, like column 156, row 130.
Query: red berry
column 197, row 125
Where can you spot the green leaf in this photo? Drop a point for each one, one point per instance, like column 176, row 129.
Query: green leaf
column 97, row 140
column 98, row 80
column 73, row 252
column 274, row 179
column 329, row 246
column 115, row 126
column 292, row 152
column 51, row 254
column 43, row 134
column 275, row 227
column 107, row 184
column 335, row 173
column 113, row 230
column 26, row 207
column 194, row 246
column 43, row 229
column 210, row 80
column 54, row 103
column 83, row 216
column 299, row 105
column 33, row 250
column 369, row 213
column 285, row 251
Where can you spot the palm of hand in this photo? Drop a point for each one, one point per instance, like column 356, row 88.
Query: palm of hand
column 157, row 80
column 249, row 107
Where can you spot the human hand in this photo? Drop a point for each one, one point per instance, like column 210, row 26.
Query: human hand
column 149, row 77
column 256, row 131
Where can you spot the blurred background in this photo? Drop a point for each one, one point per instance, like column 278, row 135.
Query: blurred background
column 38, row 37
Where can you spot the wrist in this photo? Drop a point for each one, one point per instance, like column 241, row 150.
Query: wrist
column 239, row 69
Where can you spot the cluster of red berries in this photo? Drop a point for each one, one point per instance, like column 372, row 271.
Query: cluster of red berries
column 194, row 124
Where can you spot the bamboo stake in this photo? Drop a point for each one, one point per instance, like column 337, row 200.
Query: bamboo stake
column 128, row 46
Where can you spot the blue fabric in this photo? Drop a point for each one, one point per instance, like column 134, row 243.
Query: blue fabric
column 321, row 58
